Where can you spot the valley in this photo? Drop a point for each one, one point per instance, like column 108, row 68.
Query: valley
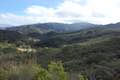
column 55, row 51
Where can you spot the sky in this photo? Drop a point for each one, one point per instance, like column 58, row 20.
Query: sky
column 21, row 12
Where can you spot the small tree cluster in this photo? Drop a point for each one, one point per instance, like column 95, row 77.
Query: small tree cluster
column 55, row 72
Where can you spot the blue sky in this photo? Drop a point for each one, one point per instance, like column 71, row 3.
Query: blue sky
column 20, row 12
column 17, row 6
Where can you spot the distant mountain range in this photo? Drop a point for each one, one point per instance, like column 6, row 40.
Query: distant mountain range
column 47, row 27
column 56, row 27
column 97, row 32
column 4, row 26
column 48, row 33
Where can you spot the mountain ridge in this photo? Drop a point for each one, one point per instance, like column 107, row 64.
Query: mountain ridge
column 47, row 27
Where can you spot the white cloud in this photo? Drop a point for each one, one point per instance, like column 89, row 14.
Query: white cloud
column 94, row 11
column 39, row 10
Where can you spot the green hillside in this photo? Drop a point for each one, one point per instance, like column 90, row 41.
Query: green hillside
column 10, row 36
column 47, row 27
column 87, row 54
column 62, row 39
column 99, row 56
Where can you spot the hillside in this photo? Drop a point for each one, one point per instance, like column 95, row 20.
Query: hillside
column 47, row 27
column 11, row 36
column 101, row 57
column 61, row 39
column 90, row 54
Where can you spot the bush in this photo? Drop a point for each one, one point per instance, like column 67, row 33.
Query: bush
column 57, row 71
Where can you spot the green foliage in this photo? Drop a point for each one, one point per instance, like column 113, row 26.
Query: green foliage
column 57, row 71
column 82, row 77
column 42, row 75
